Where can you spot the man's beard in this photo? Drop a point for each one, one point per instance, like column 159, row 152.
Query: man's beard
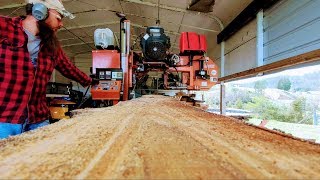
column 48, row 38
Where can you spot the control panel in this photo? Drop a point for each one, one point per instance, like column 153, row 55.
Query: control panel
column 106, row 90
column 109, row 85
column 109, row 74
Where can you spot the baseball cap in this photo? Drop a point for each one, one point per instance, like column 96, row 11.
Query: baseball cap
column 54, row 4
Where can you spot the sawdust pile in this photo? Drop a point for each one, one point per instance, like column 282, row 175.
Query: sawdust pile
column 155, row 137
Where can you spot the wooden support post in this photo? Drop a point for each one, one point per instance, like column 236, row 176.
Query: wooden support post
column 222, row 99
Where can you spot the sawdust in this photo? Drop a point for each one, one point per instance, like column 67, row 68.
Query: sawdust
column 155, row 137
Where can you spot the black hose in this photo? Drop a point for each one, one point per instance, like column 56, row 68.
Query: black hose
column 83, row 98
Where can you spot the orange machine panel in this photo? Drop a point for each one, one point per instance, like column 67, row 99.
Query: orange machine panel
column 105, row 59
column 189, row 72
column 212, row 70
column 106, row 90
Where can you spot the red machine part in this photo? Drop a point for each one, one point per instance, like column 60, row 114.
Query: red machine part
column 105, row 59
column 192, row 43
column 111, row 89
column 107, row 90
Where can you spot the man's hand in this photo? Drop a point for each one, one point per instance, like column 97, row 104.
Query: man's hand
column 94, row 82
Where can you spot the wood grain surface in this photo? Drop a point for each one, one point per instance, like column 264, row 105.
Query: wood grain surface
column 155, row 137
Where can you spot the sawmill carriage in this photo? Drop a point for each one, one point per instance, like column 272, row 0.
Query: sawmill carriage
column 124, row 72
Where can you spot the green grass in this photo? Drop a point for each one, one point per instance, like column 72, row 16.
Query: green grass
column 310, row 132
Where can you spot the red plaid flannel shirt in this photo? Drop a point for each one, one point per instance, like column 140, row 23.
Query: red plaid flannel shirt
column 21, row 87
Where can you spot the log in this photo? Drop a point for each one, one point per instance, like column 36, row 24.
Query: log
column 156, row 137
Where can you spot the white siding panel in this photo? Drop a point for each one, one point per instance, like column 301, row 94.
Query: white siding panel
column 241, row 59
column 241, row 50
column 291, row 28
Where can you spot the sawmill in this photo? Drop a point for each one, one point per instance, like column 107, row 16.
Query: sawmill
column 159, row 89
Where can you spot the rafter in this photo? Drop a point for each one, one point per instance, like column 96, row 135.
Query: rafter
column 78, row 44
column 90, row 25
column 16, row 5
column 92, row 42
column 155, row 5
column 178, row 24
column 12, row 5
column 217, row 19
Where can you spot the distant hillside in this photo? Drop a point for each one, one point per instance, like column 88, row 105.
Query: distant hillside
column 308, row 82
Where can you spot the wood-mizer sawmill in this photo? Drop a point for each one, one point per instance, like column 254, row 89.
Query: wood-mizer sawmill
column 142, row 64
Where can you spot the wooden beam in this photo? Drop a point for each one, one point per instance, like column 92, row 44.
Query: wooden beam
column 202, row 6
column 299, row 59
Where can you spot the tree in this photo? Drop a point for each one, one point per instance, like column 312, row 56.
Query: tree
column 264, row 108
column 298, row 107
column 284, row 84
column 259, row 86
column 239, row 104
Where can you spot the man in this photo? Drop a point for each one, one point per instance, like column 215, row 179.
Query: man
column 30, row 51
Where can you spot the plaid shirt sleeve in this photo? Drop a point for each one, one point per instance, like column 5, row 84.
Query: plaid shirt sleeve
column 69, row 70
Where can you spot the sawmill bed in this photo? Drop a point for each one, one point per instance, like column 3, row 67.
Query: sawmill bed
column 155, row 137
